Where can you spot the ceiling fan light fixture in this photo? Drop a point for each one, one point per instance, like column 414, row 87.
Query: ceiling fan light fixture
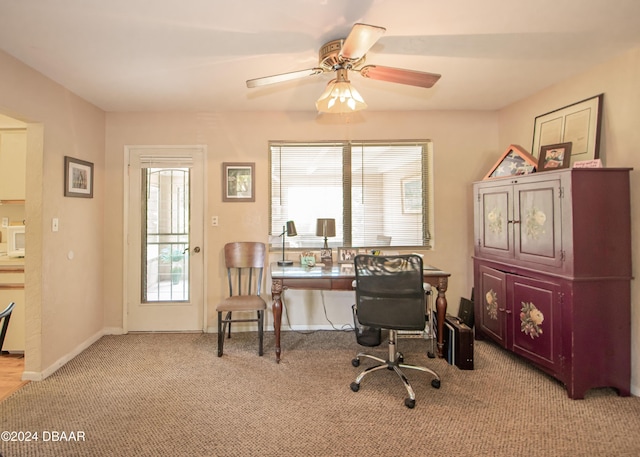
column 340, row 97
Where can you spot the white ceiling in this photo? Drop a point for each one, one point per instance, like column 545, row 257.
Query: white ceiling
column 195, row 55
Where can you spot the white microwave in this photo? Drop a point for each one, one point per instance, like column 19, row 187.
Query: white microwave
column 15, row 241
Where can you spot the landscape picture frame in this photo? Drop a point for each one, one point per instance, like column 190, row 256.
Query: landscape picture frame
column 578, row 123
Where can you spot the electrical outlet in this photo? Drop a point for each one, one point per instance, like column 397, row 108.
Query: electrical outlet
column 214, row 221
column 5, row 222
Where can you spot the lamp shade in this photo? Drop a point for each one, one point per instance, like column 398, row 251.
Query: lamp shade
column 340, row 96
column 326, row 227
column 291, row 228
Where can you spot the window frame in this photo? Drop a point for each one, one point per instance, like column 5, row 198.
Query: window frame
column 425, row 174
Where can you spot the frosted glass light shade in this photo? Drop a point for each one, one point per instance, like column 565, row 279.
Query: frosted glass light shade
column 340, row 96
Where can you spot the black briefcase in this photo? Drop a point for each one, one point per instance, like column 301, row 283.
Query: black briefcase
column 458, row 343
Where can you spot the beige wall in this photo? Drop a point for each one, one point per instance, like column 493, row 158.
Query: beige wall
column 64, row 298
column 69, row 302
column 461, row 141
column 619, row 80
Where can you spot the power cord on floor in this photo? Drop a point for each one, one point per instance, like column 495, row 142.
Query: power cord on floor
column 344, row 328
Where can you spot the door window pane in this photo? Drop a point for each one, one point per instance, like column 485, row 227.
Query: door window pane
column 165, row 237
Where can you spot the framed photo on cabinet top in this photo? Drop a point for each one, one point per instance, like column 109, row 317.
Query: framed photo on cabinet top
column 554, row 157
column 238, row 182
column 578, row 124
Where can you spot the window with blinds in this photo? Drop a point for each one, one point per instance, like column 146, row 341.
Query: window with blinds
column 378, row 192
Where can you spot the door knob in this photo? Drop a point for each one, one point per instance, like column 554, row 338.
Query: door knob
column 196, row 249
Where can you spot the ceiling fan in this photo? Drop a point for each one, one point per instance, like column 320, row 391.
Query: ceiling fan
column 345, row 55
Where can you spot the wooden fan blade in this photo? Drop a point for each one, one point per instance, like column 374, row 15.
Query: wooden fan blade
column 400, row 76
column 360, row 40
column 283, row 77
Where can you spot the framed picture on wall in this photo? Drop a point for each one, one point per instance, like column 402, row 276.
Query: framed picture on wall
column 78, row 178
column 412, row 195
column 238, row 182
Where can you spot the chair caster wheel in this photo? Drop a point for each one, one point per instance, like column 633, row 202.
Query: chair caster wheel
column 355, row 386
column 409, row 403
column 431, row 355
column 435, row 383
column 355, row 362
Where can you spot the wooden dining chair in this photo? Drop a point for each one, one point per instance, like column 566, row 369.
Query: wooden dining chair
column 245, row 267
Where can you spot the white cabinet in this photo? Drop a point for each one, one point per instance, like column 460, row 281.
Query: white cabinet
column 13, row 165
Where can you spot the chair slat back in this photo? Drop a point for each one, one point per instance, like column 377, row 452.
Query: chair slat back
column 390, row 291
column 245, row 265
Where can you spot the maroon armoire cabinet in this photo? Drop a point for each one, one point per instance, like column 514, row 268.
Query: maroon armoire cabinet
column 552, row 273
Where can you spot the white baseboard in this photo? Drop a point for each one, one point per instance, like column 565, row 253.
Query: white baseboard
column 286, row 328
column 39, row 376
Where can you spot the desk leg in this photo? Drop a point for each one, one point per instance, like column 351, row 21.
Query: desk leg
column 441, row 311
column 276, row 307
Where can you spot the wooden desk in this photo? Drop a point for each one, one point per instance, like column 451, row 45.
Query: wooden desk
column 335, row 278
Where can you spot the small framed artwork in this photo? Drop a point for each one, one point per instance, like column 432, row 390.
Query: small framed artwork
column 325, row 256
column 346, row 255
column 554, row 157
column 578, row 124
column 238, row 182
column 514, row 161
column 78, row 178
column 308, row 259
column 412, row 195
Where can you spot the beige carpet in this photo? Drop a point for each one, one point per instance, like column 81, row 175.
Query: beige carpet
column 169, row 395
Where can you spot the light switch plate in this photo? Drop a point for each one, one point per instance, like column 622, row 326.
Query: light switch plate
column 5, row 222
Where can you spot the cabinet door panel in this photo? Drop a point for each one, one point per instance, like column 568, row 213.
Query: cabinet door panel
column 534, row 323
column 492, row 300
column 494, row 221
column 538, row 223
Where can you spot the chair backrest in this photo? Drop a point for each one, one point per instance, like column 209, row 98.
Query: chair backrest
column 5, row 316
column 390, row 291
column 245, row 265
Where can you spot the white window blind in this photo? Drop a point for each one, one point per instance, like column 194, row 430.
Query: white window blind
column 378, row 192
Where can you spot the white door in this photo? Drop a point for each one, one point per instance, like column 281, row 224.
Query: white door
column 164, row 228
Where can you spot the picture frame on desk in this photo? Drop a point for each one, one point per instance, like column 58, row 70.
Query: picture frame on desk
column 346, row 254
column 326, row 256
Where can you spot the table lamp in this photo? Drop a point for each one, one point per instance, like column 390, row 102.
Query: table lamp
column 326, row 228
column 289, row 229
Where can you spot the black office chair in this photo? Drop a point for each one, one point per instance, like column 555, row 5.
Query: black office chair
column 390, row 294
column 5, row 316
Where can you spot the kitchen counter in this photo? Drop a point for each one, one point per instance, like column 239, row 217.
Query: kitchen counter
column 11, row 262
